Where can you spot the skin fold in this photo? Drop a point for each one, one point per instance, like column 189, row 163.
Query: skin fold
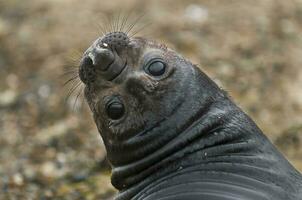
column 171, row 133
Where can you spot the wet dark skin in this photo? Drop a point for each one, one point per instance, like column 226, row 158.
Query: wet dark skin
column 171, row 133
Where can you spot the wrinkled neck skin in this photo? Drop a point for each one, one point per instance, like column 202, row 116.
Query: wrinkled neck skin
column 205, row 127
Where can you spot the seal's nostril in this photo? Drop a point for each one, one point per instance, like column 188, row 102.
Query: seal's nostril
column 91, row 56
column 87, row 61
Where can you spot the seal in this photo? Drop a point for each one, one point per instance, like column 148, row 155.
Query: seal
column 171, row 133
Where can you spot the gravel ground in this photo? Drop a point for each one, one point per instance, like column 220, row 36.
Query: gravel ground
column 49, row 146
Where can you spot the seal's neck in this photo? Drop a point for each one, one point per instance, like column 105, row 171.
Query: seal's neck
column 196, row 132
column 153, row 144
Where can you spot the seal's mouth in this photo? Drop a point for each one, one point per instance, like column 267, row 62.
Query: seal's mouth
column 119, row 71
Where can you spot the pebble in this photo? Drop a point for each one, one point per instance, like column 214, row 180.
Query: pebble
column 49, row 169
column 18, row 179
column 44, row 91
column 8, row 98
column 196, row 13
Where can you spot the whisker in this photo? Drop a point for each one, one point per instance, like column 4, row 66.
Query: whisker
column 83, row 97
column 114, row 23
column 101, row 28
column 70, row 80
column 122, row 23
column 125, row 20
column 75, row 101
column 139, row 29
column 111, row 23
column 102, row 24
column 106, row 23
column 134, row 23
column 71, row 68
column 72, row 72
column 108, row 26
column 96, row 26
column 119, row 20
column 75, row 57
column 73, row 88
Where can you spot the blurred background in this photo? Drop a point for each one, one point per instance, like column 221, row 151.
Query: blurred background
column 49, row 146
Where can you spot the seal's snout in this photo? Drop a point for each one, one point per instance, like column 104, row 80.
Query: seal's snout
column 102, row 59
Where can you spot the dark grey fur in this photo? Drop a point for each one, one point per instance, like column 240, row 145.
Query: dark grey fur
column 181, row 136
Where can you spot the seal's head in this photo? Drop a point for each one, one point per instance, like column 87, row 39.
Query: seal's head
column 132, row 86
column 165, row 124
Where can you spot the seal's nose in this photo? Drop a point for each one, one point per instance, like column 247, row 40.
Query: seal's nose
column 104, row 59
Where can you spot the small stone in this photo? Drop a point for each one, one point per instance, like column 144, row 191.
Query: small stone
column 80, row 176
column 196, row 13
column 287, row 26
column 44, row 91
column 49, row 169
column 29, row 173
column 48, row 193
column 12, row 81
column 61, row 158
column 8, row 98
column 18, row 179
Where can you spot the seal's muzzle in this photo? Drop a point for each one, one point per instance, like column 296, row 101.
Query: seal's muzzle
column 102, row 58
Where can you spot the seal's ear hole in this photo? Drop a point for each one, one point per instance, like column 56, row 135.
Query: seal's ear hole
column 156, row 68
column 115, row 110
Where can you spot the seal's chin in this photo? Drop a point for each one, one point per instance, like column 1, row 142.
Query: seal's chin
column 124, row 130
column 128, row 132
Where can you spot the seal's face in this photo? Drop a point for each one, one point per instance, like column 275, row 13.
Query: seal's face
column 128, row 85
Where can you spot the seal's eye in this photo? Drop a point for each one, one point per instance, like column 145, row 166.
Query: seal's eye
column 156, row 68
column 115, row 110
